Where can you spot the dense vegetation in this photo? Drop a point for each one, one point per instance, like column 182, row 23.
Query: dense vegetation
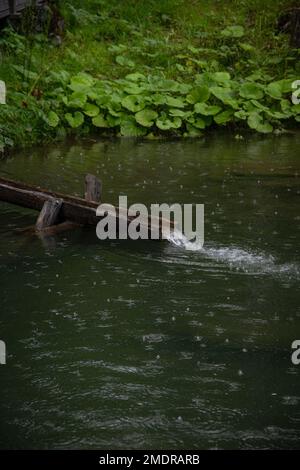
column 147, row 68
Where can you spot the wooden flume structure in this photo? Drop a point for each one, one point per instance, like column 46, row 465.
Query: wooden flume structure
column 60, row 212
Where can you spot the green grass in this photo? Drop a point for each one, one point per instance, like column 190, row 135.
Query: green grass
column 108, row 39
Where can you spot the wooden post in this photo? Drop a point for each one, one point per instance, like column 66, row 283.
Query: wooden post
column 49, row 213
column 93, row 188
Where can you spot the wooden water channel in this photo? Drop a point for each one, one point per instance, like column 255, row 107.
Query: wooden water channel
column 59, row 212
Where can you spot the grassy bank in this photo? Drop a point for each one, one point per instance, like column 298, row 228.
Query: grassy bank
column 148, row 68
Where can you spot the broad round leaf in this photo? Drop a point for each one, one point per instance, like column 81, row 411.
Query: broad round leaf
column 220, row 77
column 99, row 121
column 199, row 94
column 207, row 110
column 75, row 120
column 52, row 119
column 174, row 102
column 197, row 122
column 274, row 90
column 78, row 99
column 166, row 123
column 226, row 95
column 255, row 121
column 135, row 77
column 129, row 128
column 134, row 103
column 146, row 117
column 251, row 91
column 224, row 117
column 91, row 110
column 81, row 82
column 158, row 99
column 192, row 131
column 133, row 88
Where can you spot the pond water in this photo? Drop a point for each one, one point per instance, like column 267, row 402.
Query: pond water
column 123, row 344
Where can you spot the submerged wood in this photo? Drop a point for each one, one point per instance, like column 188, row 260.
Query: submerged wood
column 93, row 188
column 49, row 214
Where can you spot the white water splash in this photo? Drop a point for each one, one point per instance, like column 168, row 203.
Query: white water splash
column 248, row 261
column 177, row 238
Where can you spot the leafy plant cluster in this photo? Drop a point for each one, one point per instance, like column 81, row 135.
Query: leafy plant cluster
column 140, row 105
column 172, row 67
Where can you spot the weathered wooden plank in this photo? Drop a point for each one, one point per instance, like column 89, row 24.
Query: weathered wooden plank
column 48, row 234
column 73, row 209
column 49, row 213
column 93, row 188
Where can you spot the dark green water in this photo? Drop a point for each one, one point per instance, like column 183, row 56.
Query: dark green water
column 145, row 344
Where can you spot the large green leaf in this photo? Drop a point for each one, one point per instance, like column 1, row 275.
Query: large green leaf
column 179, row 112
column 278, row 88
column 99, row 121
column 207, row 110
column 81, row 82
column 158, row 99
column 286, row 106
column 265, row 128
column 295, row 108
column 168, row 85
column 226, row 95
column 192, row 131
column 224, row 117
column 129, row 128
column 146, row 117
column 114, row 109
column 260, row 106
column 274, row 90
column 113, row 121
column 255, row 121
column 286, row 85
column 233, row 32
column 77, row 99
column 241, row 114
column 91, row 110
column 133, row 88
column 197, row 122
column 165, row 123
column 134, row 103
column 135, row 77
column 220, row 77
column 174, row 102
column 52, row 119
column 198, row 94
column 75, row 120
column 251, row 90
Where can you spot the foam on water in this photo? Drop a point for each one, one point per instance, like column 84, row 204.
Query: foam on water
column 236, row 257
